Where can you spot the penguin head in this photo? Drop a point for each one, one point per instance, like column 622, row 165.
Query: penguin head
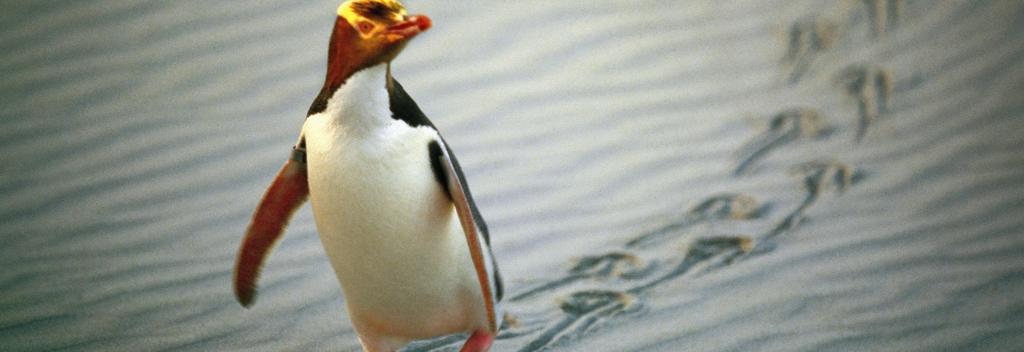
column 371, row 32
column 366, row 33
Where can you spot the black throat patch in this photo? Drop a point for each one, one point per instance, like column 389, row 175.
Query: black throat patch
column 404, row 108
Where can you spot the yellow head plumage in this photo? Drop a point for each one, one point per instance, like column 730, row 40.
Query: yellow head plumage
column 353, row 9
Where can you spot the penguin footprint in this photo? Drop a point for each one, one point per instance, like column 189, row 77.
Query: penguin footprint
column 783, row 128
column 582, row 312
column 819, row 176
column 883, row 14
column 603, row 266
column 726, row 206
column 872, row 88
column 707, row 253
column 808, row 39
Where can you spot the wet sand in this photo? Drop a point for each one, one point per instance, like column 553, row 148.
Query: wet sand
column 702, row 176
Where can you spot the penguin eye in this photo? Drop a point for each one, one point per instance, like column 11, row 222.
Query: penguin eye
column 366, row 27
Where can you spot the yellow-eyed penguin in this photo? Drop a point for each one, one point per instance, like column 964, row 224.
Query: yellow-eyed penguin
column 391, row 204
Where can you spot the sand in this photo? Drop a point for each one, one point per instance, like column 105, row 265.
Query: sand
column 658, row 176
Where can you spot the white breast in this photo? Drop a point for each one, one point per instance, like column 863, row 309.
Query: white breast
column 391, row 233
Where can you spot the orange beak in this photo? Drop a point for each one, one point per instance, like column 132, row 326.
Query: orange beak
column 408, row 28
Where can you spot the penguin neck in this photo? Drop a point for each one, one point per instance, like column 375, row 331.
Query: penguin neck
column 362, row 104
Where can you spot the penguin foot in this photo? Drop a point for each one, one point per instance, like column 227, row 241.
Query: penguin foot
column 480, row 341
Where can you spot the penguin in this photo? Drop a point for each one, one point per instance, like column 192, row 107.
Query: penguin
column 395, row 215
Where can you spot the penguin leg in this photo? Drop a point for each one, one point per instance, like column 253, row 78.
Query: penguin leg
column 480, row 341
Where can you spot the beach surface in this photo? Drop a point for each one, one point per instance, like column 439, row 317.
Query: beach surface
column 750, row 175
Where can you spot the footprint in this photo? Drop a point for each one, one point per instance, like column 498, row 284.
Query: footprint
column 872, row 87
column 583, row 311
column 808, row 39
column 784, row 127
column 883, row 14
column 717, row 207
column 615, row 264
column 728, row 206
column 609, row 265
column 717, row 251
column 817, row 177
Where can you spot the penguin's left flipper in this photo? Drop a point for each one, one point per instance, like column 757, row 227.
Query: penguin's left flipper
column 289, row 190
column 446, row 167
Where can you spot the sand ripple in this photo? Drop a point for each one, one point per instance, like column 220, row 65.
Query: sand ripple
column 748, row 175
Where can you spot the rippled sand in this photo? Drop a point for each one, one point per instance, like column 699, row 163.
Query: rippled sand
column 703, row 176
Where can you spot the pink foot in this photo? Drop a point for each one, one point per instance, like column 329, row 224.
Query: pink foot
column 480, row 341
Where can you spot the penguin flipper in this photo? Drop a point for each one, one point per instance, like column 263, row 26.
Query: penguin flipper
column 484, row 265
column 289, row 190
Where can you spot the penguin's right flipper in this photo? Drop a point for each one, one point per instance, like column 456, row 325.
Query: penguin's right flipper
column 289, row 190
